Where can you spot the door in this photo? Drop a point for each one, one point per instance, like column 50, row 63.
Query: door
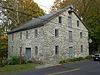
column 71, row 52
column 28, row 53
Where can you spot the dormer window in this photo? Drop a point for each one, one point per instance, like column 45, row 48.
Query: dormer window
column 60, row 19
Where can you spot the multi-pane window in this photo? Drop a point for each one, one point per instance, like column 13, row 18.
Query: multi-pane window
column 20, row 35
column 60, row 19
column 56, row 32
column 81, row 48
column 36, row 50
column 12, row 37
column 77, row 23
column 56, row 50
column 70, row 36
column 26, row 34
column 69, row 21
column 81, row 35
column 36, row 33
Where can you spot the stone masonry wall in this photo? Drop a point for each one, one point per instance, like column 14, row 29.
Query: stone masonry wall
column 46, row 40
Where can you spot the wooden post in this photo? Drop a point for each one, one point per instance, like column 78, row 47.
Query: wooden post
column 20, row 55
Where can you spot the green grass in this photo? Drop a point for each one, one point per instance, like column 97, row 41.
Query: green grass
column 15, row 68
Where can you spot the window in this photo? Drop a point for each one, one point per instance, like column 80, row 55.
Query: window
column 36, row 50
column 12, row 37
column 60, row 19
column 77, row 23
column 70, row 22
column 20, row 35
column 81, row 48
column 56, row 32
column 81, row 35
column 36, row 33
column 12, row 48
column 56, row 50
column 70, row 36
column 26, row 34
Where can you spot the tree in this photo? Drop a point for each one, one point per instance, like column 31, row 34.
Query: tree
column 3, row 48
column 90, row 11
column 20, row 11
column 12, row 14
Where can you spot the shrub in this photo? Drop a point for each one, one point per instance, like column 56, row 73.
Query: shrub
column 13, row 60
column 88, row 57
column 36, row 61
column 71, row 60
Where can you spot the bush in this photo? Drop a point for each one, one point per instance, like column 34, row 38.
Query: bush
column 36, row 61
column 88, row 57
column 71, row 60
column 13, row 60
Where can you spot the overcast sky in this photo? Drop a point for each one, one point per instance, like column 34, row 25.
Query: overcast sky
column 45, row 4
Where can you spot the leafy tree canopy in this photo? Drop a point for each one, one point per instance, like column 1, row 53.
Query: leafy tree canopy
column 20, row 11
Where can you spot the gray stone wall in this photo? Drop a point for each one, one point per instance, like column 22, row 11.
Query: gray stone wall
column 46, row 40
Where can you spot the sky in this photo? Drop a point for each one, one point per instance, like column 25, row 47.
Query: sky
column 45, row 4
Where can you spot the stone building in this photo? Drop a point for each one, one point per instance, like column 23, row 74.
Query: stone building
column 51, row 38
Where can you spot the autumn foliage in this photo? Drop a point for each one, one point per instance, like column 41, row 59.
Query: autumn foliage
column 3, row 48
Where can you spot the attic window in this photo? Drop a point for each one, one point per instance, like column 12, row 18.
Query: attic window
column 77, row 23
column 69, row 22
column 60, row 19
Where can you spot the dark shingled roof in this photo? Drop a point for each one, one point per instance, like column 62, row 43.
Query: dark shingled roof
column 37, row 22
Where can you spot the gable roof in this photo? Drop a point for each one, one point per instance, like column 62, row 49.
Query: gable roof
column 38, row 22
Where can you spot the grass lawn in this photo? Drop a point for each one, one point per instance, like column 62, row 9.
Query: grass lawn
column 15, row 68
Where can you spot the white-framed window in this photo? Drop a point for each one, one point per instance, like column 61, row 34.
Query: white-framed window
column 56, row 50
column 56, row 32
column 36, row 33
column 69, row 21
column 36, row 50
column 70, row 36
column 60, row 19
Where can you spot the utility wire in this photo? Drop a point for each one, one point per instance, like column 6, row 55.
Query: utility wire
column 38, row 17
column 16, row 11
